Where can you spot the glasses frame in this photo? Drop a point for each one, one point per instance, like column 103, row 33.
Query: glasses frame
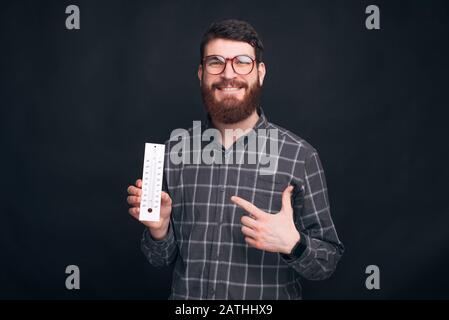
column 226, row 63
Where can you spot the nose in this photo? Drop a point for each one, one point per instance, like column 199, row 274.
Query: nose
column 228, row 72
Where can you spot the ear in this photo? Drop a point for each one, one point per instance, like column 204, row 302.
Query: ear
column 200, row 73
column 261, row 71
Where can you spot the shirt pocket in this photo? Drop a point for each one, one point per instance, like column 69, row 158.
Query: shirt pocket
column 268, row 191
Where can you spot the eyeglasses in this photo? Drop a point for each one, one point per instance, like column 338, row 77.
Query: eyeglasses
column 241, row 64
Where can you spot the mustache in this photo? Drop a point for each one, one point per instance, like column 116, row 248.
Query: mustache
column 230, row 83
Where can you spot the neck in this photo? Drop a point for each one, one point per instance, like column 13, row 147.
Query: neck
column 241, row 128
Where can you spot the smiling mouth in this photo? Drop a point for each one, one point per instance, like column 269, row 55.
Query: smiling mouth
column 229, row 89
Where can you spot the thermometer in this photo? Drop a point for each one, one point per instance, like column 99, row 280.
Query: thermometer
column 153, row 165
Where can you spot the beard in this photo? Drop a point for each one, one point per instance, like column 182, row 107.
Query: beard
column 231, row 110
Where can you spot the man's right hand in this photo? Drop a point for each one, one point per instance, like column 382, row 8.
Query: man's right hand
column 158, row 229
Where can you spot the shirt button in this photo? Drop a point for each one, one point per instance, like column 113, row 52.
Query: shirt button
column 222, row 189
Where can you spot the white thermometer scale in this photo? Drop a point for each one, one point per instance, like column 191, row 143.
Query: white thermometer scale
column 153, row 165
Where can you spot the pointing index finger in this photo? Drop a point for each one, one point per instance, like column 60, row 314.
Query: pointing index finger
column 247, row 206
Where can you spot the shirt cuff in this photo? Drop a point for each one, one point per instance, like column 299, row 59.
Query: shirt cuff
column 162, row 243
column 298, row 250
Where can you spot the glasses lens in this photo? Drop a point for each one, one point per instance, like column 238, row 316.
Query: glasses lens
column 243, row 64
column 215, row 64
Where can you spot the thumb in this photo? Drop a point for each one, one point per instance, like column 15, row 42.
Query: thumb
column 286, row 199
column 165, row 199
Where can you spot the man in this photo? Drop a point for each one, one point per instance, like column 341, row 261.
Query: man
column 233, row 231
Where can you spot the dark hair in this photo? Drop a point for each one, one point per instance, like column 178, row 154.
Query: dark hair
column 233, row 30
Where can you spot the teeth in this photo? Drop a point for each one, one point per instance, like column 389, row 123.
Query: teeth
column 230, row 89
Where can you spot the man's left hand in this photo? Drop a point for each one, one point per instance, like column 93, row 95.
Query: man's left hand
column 269, row 232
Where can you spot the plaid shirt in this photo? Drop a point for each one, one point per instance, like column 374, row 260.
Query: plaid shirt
column 205, row 241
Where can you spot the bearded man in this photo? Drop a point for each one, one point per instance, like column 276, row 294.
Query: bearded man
column 231, row 230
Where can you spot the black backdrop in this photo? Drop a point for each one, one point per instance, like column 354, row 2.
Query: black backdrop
column 77, row 107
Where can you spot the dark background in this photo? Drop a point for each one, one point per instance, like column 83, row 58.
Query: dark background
column 77, row 107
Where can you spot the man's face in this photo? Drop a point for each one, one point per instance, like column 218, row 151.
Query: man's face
column 230, row 97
